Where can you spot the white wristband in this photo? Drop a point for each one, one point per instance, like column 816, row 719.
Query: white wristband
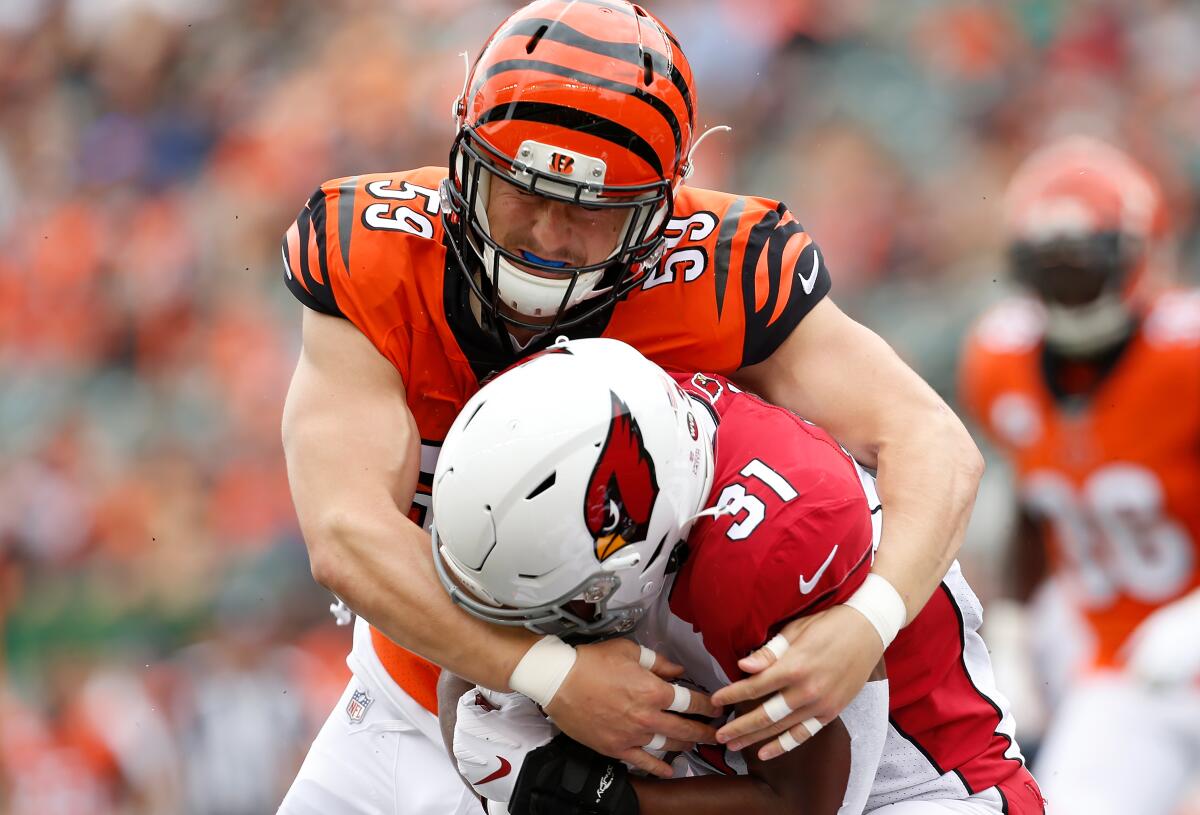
column 542, row 670
column 878, row 601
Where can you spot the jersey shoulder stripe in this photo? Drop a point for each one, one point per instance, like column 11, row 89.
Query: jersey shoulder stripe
column 783, row 276
column 305, row 259
column 743, row 267
column 369, row 248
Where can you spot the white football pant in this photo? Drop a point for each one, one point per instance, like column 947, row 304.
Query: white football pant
column 384, row 758
column 1116, row 747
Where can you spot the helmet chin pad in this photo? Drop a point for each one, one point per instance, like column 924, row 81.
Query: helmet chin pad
column 534, row 296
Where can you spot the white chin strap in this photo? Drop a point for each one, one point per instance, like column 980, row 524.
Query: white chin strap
column 1083, row 330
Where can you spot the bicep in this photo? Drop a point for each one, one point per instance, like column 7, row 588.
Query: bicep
column 348, row 436
column 838, row 373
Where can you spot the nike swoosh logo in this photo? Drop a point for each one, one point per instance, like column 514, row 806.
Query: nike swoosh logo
column 807, row 586
column 505, row 769
column 808, row 281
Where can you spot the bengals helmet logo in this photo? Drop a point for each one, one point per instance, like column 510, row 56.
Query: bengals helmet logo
column 622, row 489
column 561, row 163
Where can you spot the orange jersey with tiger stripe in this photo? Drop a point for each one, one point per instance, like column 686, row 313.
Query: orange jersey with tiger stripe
column 1113, row 477
column 738, row 275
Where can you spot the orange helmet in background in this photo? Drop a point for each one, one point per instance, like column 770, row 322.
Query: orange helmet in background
column 588, row 102
column 1080, row 218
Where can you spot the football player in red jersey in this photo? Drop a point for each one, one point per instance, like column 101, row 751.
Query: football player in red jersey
column 563, row 209
column 1090, row 385
column 563, row 498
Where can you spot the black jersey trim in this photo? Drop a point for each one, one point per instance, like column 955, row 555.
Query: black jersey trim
column 763, row 336
column 316, row 218
column 916, row 744
column 298, row 291
column 317, row 295
column 725, row 236
column 962, row 662
column 346, row 192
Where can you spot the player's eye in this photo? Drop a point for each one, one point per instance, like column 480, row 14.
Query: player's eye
column 614, row 517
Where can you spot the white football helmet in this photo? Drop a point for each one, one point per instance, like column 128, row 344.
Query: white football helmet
column 564, row 487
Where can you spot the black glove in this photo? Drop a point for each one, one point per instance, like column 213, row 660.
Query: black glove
column 566, row 778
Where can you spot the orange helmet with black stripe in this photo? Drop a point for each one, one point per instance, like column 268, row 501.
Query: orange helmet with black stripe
column 587, row 102
column 1081, row 216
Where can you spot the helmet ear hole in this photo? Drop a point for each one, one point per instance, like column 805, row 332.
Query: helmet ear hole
column 657, row 551
column 474, row 413
column 540, row 488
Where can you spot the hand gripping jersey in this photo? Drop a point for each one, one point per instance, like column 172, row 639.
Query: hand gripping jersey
column 1113, row 478
column 801, row 540
column 738, row 276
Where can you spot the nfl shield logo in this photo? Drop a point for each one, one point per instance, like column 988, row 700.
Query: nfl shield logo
column 356, row 708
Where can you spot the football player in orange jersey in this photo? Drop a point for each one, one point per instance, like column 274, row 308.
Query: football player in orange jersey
column 563, row 210
column 1091, row 386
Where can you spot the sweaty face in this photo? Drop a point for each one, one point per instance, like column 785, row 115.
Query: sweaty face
column 545, row 230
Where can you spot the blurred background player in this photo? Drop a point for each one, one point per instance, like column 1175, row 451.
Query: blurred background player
column 542, row 473
column 1090, row 384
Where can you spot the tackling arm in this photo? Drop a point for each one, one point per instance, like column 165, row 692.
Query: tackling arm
column 352, row 452
column 844, row 377
column 352, row 456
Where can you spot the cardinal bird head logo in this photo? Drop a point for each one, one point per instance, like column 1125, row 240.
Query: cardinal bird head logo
column 712, row 387
column 622, row 489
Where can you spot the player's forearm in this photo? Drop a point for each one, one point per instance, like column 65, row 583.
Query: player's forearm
column 928, row 477
column 844, row 377
column 381, row 565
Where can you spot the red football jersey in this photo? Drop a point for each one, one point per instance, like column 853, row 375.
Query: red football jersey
column 739, row 274
column 1112, row 477
column 801, row 538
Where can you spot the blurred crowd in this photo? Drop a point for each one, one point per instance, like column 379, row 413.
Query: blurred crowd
column 164, row 648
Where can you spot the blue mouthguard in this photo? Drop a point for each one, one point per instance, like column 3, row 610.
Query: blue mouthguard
column 532, row 258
